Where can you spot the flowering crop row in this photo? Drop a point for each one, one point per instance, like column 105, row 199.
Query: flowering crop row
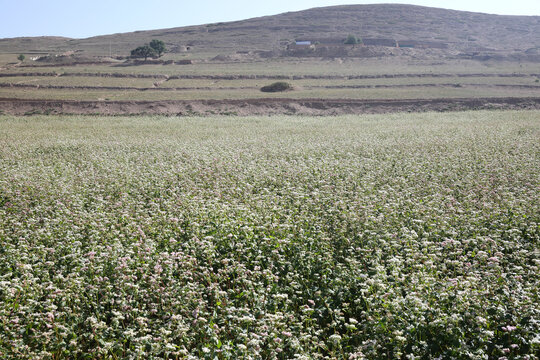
column 359, row 237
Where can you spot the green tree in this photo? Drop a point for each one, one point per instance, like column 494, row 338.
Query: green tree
column 143, row 52
column 21, row 57
column 158, row 46
column 352, row 40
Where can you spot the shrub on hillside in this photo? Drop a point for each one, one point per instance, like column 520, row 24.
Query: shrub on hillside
column 155, row 48
column 352, row 40
column 277, row 87
column 143, row 52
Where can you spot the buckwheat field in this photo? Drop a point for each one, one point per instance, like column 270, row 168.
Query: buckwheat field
column 405, row 236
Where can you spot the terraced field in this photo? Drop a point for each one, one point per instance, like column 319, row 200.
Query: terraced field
column 351, row 80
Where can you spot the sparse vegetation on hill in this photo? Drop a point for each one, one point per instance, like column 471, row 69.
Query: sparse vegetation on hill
column 460, row 31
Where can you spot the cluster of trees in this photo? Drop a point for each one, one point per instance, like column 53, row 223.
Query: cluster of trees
column 155, row 48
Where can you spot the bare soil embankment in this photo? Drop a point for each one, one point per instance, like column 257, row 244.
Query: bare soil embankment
column 265, row 77
column 246, row 107
column 207, row 88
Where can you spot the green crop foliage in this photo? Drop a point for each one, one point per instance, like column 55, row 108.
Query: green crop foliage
column 358, row 237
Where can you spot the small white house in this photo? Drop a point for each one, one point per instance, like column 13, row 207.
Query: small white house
column 303, row 43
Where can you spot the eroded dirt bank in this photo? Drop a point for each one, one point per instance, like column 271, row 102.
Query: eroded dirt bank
column 246, row 107
column 266, row 77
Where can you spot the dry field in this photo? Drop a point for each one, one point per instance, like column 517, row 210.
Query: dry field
column 312, row 79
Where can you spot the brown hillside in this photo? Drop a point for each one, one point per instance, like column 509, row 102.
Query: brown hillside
column 454, row 31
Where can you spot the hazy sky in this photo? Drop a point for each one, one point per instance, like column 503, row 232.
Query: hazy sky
column 80, row 19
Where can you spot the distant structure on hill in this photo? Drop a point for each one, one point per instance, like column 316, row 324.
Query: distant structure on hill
column 339, row 42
